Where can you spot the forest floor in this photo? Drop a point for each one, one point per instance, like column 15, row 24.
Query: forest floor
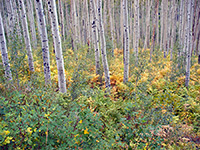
column 154, row 110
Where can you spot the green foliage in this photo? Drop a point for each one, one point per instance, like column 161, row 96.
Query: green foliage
column 36, row 122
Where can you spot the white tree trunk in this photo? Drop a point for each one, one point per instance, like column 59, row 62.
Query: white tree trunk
column 57, row 45
column 11, row 17
column 154, row 28
column 126, row 41
column 165, row 27
column 111, row 25
column 147, row 35
column 161, row 24
column 32, row 23
column 4, row 53
column 136, row 29
column 16, row 23
column 103, row 47
column 188, row 45
column 95, row 35
column 44, row 37
column 26, row 36
column 173, row 18
column 62, row 24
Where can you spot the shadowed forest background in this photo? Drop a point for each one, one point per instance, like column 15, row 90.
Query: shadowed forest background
column 93, row 74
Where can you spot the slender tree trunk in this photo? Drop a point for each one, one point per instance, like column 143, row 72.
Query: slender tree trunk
column 157, row 25
column 105, row 16
column 196, row 31
column 44, row 37
column 32, row 23
column 126, row 41
column 161, row 24
column 154, row 29
column 188, row 38
column 173, row 18
column 4, row 52
column 198, row 47
column 111, row 25
column 57, row 46
column 169, row 14
column 121, row 23
column 165, row 25
column 17, row 24
column 11, row 17
column 103, row 47
column 26, row 36
column 136, row 29
column 75, row 23
column 147, row 35
column 95, row 35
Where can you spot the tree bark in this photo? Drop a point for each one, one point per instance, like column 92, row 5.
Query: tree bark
column 57, row 45
column 147, row 35
column 136, row 29
column 4, row 52
column 126, row 41
column 44, row 37
column 26, row 36
column 103, row 47
column 95, row 35
column 32, row 22
column 188, row 45
column 154, row 29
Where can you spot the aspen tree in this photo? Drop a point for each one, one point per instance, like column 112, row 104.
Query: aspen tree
column 154, row 29
column 161, row 24
column 173, row 28
column 192, row 18
column 121, row 35
column 68, row 22
column 188, row 45
column 95, row 35
column 180, row 22
column 104, row 12
column 165, row 25
column 136, row 29
column 88, row 25
column 44, row 37
column 197, row 31
column 11, row 16
column 18, row 28
column 157, row 25
column 195, row 26
column 78, row 21
column 147, row 34
column 32, row 22
column 103, row 47
column 126, row 42
column 26, row 36
column 169, row 14
column 111, row 25
column 131, row 26
column 57, row 45
column 61, row 14
column 185, row 34
column 75, row 23
column 4, row 52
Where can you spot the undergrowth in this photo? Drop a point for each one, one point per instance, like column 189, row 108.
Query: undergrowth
column 153, row 110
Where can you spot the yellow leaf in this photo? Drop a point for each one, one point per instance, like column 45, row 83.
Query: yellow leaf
column 29, row 130
column 86, row 131
column 6, row 132
column 80, row 121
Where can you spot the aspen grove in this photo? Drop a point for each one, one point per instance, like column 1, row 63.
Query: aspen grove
column 100, row 74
